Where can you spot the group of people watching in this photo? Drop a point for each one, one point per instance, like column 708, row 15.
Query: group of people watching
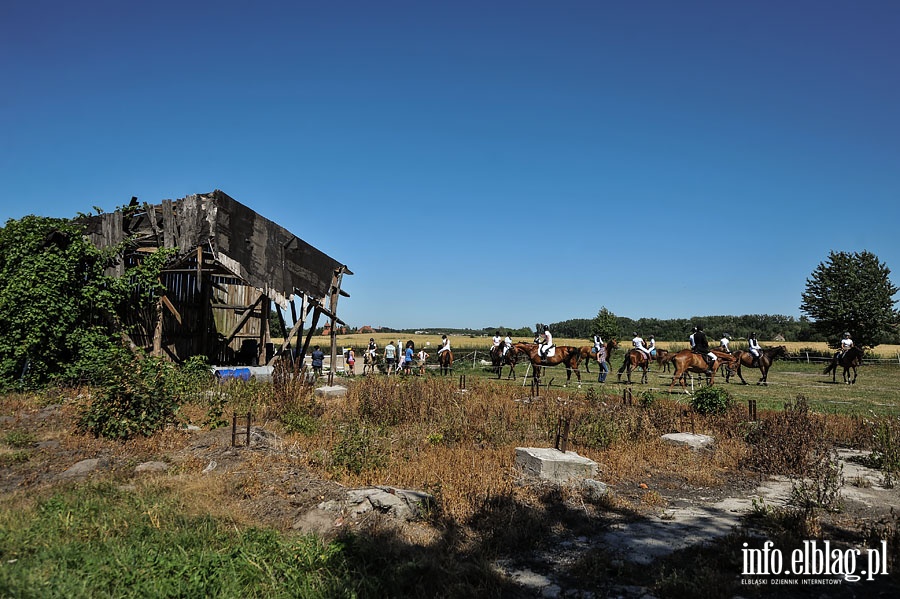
column 399, row 358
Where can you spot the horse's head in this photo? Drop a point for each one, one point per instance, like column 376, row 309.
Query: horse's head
column 782, row 352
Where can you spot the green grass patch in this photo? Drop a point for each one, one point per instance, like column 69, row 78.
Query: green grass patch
column 101, row 541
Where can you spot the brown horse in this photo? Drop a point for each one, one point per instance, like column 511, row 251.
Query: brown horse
column 662, row 360
column 368, row 363
column 511, row 358
column 687, row 361
column 634, row 359
column 850, row 360
column 445, row 360
column 564, row 354
column 766, row 358
column 589, row 355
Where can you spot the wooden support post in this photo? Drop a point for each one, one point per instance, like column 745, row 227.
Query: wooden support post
column 234, row 419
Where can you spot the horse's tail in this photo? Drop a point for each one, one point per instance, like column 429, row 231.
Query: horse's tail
column 625, row 362
column 831, row 366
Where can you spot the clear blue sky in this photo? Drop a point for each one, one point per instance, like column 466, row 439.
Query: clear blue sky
column 481, row 164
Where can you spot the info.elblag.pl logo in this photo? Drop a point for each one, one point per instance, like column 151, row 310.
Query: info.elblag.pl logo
column 814, row 558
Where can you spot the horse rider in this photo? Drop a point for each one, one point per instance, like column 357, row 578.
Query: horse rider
column 701, row 346
column 495, row 347
column 598, row 343
column 755, row 349
column 372, row 348
column 846, row 344
column 723, row 343
column 638, row 344
column 507, row 344
column 445, row 346
column 545, row 345
column 651, row 347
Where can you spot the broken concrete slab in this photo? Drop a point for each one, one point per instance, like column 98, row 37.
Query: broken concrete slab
column 554, row 465
column 691, row 440
column 331, row 391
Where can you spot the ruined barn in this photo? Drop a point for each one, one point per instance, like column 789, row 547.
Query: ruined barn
column 230, row 267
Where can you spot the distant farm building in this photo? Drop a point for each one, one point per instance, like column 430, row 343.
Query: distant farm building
column 230, row 266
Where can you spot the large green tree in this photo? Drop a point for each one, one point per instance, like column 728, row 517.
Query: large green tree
column 851, row 292
column 605, row 324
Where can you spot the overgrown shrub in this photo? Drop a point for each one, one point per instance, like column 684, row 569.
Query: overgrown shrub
column 787, row 442
column 358, row 449
column 58, row 308
column 711, row 400
column 886, row 448
column 134, row 395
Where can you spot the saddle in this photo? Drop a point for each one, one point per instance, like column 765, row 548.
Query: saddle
column 549, row 353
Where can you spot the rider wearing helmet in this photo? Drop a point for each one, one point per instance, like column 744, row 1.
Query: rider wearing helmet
column 846, row 344
column 638, row 344
column 755, row 349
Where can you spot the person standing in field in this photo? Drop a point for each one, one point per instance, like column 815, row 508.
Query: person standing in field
column 422, row 357
column 351, row 361
column 408, row 357
column 604, row 364
column 318, row 358
column 723, row 343
column 390, row 358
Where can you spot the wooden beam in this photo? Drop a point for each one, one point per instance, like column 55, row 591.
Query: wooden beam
column 240, row 324
column 168, row 304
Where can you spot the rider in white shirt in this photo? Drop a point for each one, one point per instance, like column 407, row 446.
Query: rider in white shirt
column 723, row 343
column 638, row 344
column 445, row 345
column 755, row 349
column 651, row 347
column 846, row 344
column 546, row 344
column 598, row 343
column 507, row 343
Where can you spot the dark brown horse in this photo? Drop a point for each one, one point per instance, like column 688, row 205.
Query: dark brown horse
column 850, row 360
column 445, row 360
column 687, row 361
column 564, row 354
column 589, row 355
column 766, row 358
column 510, row 358
column 634, row 359
column 662, row 359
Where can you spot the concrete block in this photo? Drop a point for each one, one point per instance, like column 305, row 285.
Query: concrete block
column 689, row 439
column 332, row 391
column 554, row 465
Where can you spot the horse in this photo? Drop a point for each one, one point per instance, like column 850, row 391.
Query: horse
column 766, row 358
column 511, row 358
column 662, row 360
column 445, row 360
column 851, row 359
column 634, row 358
column 368, row 363
column 565, row 354
column 687, row 361
column 496, row 352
